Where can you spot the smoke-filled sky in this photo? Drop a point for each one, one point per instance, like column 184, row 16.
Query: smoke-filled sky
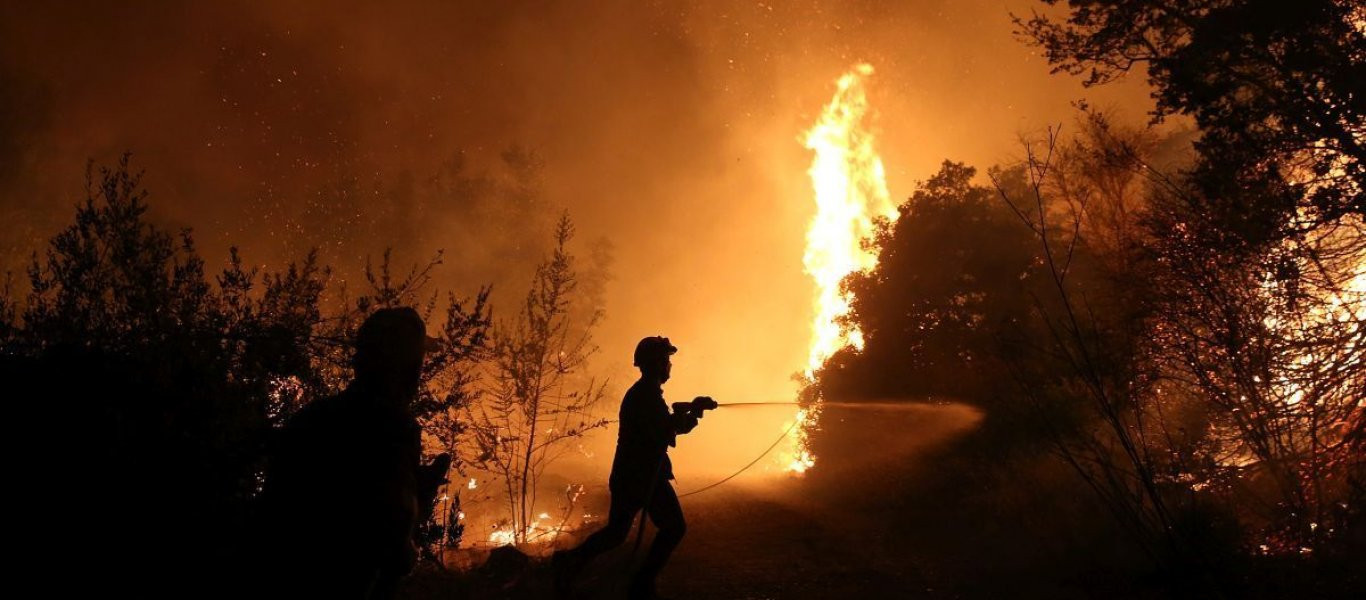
column 671, row 129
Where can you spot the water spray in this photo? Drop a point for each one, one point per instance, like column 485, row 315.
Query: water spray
column 824, row 405
column 885, row 405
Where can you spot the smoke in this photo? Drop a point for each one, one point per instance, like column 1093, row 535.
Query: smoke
column 670, row 129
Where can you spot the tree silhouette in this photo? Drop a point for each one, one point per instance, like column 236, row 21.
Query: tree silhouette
column 949, row 279
column 537, row 397
column 1276, row 89
column 140, row 377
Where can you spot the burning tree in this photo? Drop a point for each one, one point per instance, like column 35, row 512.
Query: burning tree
column 852, row 202
column 949, row 277
column 1270, row 344
column 536, row 397
column 1258, row 248
column 1224, row 377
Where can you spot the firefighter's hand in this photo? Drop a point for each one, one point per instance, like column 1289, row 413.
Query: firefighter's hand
column 684, row 422
column 701, row 404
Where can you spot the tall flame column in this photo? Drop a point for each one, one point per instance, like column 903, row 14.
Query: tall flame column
column 850, row 192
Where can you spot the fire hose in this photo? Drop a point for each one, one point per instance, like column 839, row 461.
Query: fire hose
column 865, row 405
column 640, row 528
column 757, row 458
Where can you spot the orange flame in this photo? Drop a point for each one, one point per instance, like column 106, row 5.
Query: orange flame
column 850, row 192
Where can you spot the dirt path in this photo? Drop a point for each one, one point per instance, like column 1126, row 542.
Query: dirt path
column 748, row 547
column 796, row 539
column 840, row 532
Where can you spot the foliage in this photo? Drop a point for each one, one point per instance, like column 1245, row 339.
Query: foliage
column 175, row 379
column 1256, row 254
column 1083, row 358
column 1224, row 388
column 949, row 277
column 536, row 395
column 1274, row 87
column 1270, row 349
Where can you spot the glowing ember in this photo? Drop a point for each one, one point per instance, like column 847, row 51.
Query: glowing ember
column 851, row 193
column 537, row 533
column 503, row 536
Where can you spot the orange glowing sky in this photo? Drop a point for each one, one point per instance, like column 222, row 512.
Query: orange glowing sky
column 673, row 129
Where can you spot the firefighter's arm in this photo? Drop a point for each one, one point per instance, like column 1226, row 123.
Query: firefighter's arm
column 683, row 422
column 652, row 424
column 687, row 414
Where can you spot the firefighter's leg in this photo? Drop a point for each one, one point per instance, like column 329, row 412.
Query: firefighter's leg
column 619, row 516
column 667, row 515
column 568, row 563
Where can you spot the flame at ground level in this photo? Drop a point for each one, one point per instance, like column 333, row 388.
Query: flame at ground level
column 800, row 458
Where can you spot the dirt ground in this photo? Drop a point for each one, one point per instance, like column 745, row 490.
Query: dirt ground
column 849, row 529
column 819, row 536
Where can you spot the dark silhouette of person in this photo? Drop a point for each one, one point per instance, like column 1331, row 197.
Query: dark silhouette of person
column 641, row 472
column 345, row 484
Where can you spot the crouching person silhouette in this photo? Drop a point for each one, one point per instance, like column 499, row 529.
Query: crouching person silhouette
column 641, row 472
column 344, row 486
